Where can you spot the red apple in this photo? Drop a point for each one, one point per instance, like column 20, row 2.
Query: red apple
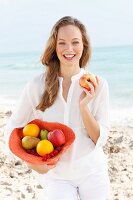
column 56, row 137
column 83, row 81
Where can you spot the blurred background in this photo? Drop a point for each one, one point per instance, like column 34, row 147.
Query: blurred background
column 24, row 29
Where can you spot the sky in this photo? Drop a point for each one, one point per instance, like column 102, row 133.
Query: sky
column 26, row 24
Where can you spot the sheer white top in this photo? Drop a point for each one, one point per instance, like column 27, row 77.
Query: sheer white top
column 83, row 157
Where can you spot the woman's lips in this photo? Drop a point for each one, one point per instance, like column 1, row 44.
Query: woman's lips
column 69, row 56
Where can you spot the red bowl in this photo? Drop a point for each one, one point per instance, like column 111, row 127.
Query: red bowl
column 15, row 143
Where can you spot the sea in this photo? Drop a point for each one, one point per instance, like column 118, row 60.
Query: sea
column 115, row 64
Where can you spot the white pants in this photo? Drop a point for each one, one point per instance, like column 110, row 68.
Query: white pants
column 93, row 187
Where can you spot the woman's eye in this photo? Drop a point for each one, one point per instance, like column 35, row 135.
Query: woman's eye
column 75, row 42
column 61, row 43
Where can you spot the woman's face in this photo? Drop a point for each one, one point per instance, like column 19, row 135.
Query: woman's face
column 69, row 46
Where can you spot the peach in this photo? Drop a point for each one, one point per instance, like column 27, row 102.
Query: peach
column 83, row 81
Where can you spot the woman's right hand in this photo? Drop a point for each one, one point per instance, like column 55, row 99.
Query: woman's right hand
column 41, row 169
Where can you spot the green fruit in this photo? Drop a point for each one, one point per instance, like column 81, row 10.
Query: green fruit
column 44, row 134
column 29, row 142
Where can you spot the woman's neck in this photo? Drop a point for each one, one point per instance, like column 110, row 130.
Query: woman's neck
column 67, row 73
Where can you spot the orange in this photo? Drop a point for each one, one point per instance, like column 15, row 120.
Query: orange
column 31, row 130
column 44, row 147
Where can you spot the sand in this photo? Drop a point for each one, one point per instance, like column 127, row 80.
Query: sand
column 18, row 182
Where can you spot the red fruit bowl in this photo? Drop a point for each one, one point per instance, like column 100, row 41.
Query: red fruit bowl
column 15, row 143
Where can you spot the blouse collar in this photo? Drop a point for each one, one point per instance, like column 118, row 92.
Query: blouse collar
column 76, row 76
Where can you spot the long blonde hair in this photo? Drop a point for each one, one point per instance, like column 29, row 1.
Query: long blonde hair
column 52, row 63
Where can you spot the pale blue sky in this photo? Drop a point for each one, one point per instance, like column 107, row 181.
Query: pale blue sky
column 26, row 24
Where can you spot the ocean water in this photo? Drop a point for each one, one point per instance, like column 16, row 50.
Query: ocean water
column 115, row 64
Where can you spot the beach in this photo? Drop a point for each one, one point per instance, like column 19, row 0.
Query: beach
column 18, row 181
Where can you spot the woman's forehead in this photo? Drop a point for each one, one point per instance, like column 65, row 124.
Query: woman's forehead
column 69, row 31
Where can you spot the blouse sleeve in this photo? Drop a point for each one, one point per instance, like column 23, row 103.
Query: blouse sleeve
column 25, row 110
column 21, row 115
column 102, row 114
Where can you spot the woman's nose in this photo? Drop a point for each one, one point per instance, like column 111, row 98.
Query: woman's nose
column 69, row 47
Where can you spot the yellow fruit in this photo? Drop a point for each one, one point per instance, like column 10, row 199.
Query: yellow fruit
column 44, row 147
column 31, row 130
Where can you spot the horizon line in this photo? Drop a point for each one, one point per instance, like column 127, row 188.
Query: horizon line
column 37, row 50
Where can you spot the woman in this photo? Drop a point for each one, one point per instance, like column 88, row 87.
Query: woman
column 56, row 96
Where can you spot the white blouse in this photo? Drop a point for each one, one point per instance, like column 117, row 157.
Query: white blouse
column 83, row 157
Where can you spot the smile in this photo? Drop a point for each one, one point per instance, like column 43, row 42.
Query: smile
column 69, row 56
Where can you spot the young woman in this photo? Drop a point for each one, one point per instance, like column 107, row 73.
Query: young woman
column 56, row 96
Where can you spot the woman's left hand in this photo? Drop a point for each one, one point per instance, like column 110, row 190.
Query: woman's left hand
column 86, row 95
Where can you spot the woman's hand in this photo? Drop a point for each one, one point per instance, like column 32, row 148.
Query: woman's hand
column 41, row 169
column 86, row 95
